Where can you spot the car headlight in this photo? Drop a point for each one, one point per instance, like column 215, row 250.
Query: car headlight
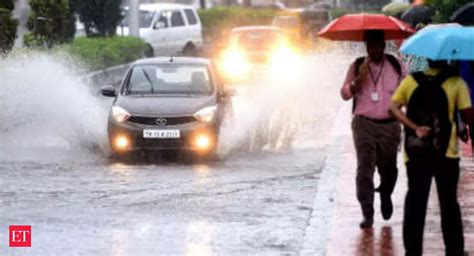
column 235, row 64
column 119, row 114
column 206, row 115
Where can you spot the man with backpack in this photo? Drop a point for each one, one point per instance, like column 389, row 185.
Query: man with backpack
column 370, row 82
column 433, row 99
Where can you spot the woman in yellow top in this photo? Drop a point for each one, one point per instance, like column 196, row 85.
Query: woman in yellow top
column 426, row 156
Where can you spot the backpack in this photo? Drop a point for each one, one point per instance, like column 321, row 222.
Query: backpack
column 428, row 106
column 391, row 59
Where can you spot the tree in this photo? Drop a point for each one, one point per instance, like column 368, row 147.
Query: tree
column 365, row 5
column 100, row 17
column 51, row 22
column 445, row 8
column 8, row 26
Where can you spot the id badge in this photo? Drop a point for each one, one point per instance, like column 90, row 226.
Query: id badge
column 375, row 96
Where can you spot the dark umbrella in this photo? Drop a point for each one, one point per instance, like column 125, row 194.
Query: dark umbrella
column 320, row 5
column 464, row 15
column 418, row 14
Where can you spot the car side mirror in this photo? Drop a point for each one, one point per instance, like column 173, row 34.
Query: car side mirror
column 108, row 91
column 159, row 25
column 229, row 92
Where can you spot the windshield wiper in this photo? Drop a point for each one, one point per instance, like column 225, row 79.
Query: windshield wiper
column 149, row 80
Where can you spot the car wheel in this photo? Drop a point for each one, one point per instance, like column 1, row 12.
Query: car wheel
column 190, row 50
column 148, row 51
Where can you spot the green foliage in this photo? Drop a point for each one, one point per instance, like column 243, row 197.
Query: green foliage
column 338, row 12
column 100, row 18
column 7, row 26
column 7, row 4
column 215, row 20
column 445, row 8
column 51, row 22
column 369, row 5
column 102, row 52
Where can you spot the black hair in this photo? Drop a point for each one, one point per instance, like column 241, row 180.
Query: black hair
column 451, row 68
column 374, row 35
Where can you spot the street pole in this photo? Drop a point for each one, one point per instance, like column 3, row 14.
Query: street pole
column 133, row 25
column 202, row 4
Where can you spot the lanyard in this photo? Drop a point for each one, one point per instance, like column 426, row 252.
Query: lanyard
column 376, row 80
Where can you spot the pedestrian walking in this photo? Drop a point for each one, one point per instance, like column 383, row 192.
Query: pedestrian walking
column 432, row 99
column 370, row 82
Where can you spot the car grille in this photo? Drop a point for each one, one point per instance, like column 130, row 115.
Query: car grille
column 258, row 58
column 164, row 121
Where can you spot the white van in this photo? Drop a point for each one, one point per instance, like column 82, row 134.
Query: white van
column 168, row 28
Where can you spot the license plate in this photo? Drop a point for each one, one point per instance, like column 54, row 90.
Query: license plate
column 161, row 134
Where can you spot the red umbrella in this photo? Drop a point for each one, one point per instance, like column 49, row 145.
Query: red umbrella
column 351, row 27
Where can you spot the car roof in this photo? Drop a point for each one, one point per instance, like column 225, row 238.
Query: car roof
column 163, row 6
column 250, row 28
column 176, row 60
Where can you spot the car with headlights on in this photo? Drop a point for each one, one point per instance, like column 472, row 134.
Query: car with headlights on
column 251, row 48
column 173, row 103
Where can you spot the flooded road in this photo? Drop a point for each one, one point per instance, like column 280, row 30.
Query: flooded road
column 255, row 198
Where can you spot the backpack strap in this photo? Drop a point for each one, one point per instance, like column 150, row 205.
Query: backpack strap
column 390, row 58
column 395, row 63
column 438, row 80
column 357, row 64
column 420, row 78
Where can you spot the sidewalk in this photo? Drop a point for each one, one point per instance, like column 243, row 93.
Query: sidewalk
column 346, row 238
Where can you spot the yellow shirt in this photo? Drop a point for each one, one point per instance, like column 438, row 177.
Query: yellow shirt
column 457, row 94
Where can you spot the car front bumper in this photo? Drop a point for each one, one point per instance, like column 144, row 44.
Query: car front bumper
column 195, row 136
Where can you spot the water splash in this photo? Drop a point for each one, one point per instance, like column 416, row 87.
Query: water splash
column 45, row 104
column 288, row 110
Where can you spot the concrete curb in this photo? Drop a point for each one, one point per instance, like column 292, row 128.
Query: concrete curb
column 322, row 215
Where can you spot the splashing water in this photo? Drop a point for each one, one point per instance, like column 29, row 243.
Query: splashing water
column 45, row 104
column 290, row 109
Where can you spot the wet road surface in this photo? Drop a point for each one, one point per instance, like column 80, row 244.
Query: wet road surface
column 250, row 204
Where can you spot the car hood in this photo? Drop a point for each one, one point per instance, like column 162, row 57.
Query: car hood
column 164, row 105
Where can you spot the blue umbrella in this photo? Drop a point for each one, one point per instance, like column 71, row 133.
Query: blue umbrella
column 444, row 43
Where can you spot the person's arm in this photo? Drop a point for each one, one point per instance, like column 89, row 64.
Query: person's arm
column 463, row 103
column 352, row 83
column 467, row 116
column 400, row 98
column 396, row 110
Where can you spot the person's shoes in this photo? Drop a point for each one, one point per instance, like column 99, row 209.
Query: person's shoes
column 386, row 206
column 366, row 223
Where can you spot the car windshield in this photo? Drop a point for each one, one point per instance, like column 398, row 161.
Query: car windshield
column 255, row 39
column 145, row 18
column 169, row 79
